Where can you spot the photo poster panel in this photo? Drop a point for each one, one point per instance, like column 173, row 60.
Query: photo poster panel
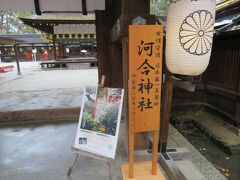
column 99, row 121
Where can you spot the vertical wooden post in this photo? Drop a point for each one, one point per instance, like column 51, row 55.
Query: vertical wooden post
column 102, row 48
column 54, row 47
column 92, row 48
column 60, row 49
column 167, row 105
column 1, row 53
column 125, row 86
column 131, row 154
column 155, row 152
column 237, row 109
column 17, row 61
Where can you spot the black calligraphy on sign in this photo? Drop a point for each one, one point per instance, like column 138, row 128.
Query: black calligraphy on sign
column 145, row 67
column 158, row 47
column 149, row 69
column 145, row 86
column 144, row 104
column 133, row 99
column 147, row 47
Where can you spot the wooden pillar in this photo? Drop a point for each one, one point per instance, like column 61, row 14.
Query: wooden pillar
column 17, row 61
column 60, row 49
column 54, row 47
column 125, row 86
column 63, row 50
column 1, row 53
column 135, row 7
column 109, row 54
column 80, row 48
column 101, row 30
column 237, row 109
column 115, row 65
column 166, row 112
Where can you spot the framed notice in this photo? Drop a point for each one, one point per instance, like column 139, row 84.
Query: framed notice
column 99, row 121
column 145, row 77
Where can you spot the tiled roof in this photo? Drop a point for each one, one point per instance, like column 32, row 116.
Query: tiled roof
column 62, row 16
column 27, row 38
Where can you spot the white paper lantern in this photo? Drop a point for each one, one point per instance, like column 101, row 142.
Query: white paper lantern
column 190, row 26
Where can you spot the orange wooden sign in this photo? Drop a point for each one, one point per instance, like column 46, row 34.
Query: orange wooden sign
column 145, row 77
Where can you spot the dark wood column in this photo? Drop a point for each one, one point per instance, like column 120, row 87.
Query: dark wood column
column 109, row 54
column 102, row 47
column 237, row 110
column 135, row 6
column 17, row 60
column 1, row 54
column 125, row 85
column 54, row 47
column 166, row 110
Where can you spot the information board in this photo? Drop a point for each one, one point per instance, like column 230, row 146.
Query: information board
column 99, row 121
column 145, row 77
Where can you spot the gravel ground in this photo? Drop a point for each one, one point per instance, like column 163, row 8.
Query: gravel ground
column 37, row 88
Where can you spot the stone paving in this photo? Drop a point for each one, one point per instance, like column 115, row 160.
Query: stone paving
column 37, row 88
column 43, row 151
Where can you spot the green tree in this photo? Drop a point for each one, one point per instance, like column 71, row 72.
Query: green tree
column 159, row 7
column 11, row 24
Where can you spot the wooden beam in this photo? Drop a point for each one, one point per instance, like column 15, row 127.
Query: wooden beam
column 172, row 171
column 37, row 7
column 176, row 154
column 190, row 87
column 84, row 7
column 222, row 92
column 49, row 29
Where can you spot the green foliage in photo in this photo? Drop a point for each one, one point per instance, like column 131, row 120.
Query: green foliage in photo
column 109, row 121
column 87, row 121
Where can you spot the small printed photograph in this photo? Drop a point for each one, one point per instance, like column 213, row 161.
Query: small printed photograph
column 100, row 109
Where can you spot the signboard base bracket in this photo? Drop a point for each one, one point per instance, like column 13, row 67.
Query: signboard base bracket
column 79, row 152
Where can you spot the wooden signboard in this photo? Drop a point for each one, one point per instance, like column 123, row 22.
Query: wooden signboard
column 145, row 76
column 145, row 63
